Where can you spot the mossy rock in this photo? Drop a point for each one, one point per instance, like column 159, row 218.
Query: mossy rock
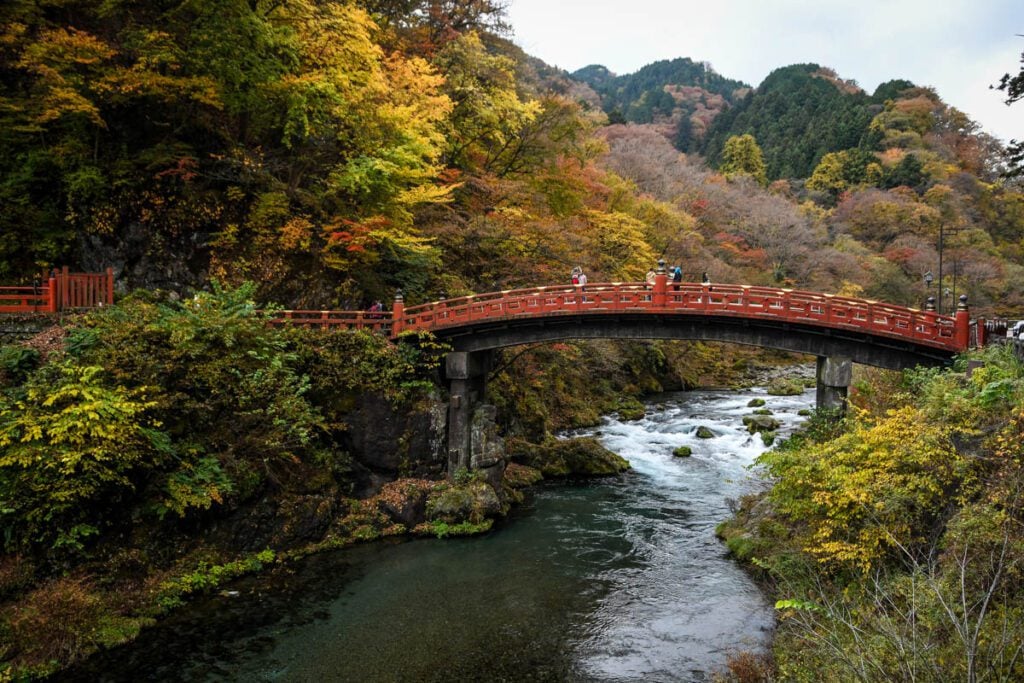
column 804, row 412
column 683, row 452
column 585, row 418
column 763, row 411
column 520, row 476
column 589, row 458
column 570, row 457
column 760, row 423
column 705, row 433
column 630, row 409
column 755, row 403
column 457, row 503
column 768, row 438
column 443, row 529
column 781, row 386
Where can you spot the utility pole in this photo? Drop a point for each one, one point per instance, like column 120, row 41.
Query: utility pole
column 941, row 225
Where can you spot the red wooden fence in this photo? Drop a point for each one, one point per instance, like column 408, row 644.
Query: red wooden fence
column 62, row 291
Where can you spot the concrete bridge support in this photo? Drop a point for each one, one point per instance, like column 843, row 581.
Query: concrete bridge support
column 834, row 377
column 467, row 375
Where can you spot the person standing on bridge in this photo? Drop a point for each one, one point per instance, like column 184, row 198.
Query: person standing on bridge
column 677, row 277
column 583, row 280
column 575, row 277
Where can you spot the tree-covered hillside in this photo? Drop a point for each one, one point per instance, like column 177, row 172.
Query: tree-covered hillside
column 798, row 114
column 681, row 92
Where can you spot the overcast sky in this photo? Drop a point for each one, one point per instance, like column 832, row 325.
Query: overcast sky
column 960, row 47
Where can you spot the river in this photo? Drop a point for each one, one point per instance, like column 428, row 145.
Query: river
column 614, row 580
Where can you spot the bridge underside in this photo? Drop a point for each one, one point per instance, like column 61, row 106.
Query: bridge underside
column 867, row 349
column 836, row 350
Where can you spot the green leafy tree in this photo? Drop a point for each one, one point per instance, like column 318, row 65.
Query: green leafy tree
column 488, row 113
column 742, row 156
column 71, row 448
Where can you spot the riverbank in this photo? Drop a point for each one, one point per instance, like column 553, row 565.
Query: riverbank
column 893, row 543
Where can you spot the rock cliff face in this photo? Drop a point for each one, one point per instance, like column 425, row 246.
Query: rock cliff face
column 142, row 258
column 390, row 441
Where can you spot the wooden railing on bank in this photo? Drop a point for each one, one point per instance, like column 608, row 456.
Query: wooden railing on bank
column 61, row 291
column 356, row 320
column 952, row 333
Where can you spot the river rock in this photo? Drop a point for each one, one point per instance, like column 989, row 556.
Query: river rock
column 761, row 423
column 755, row 403
column 630, row 409
column 405, row 500
column 683, row 452
column 520, row 476
column 470, row 502
column 705, row 433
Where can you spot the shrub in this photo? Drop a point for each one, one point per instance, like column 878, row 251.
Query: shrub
column 72, row 447
column 16, row 362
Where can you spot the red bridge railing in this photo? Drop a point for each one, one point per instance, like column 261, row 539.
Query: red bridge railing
column 660, row 298
column 378, row 322
column 62, row 291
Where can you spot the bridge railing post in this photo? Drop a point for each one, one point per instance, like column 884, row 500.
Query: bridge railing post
column 397, row 313
column 108, row 282
column 660, row 286
column 963, row 324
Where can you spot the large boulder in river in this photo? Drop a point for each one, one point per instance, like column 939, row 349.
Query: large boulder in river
column 630, row 408
column 761, row 423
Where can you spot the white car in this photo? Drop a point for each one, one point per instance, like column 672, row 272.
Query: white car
column 1017, row 330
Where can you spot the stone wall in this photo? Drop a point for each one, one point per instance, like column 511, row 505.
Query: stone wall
column 16, row 328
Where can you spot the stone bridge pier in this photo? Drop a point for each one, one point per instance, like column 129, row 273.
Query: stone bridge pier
column 473, row 441
column 834, row 376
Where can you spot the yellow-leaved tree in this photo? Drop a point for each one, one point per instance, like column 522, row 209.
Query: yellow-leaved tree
column 877, row 487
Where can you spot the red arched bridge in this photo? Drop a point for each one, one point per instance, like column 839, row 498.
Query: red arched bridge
column 866, row 331
column 838, row 330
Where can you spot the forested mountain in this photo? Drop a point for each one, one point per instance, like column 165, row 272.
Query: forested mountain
column 681, row 93
column 798, row 114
